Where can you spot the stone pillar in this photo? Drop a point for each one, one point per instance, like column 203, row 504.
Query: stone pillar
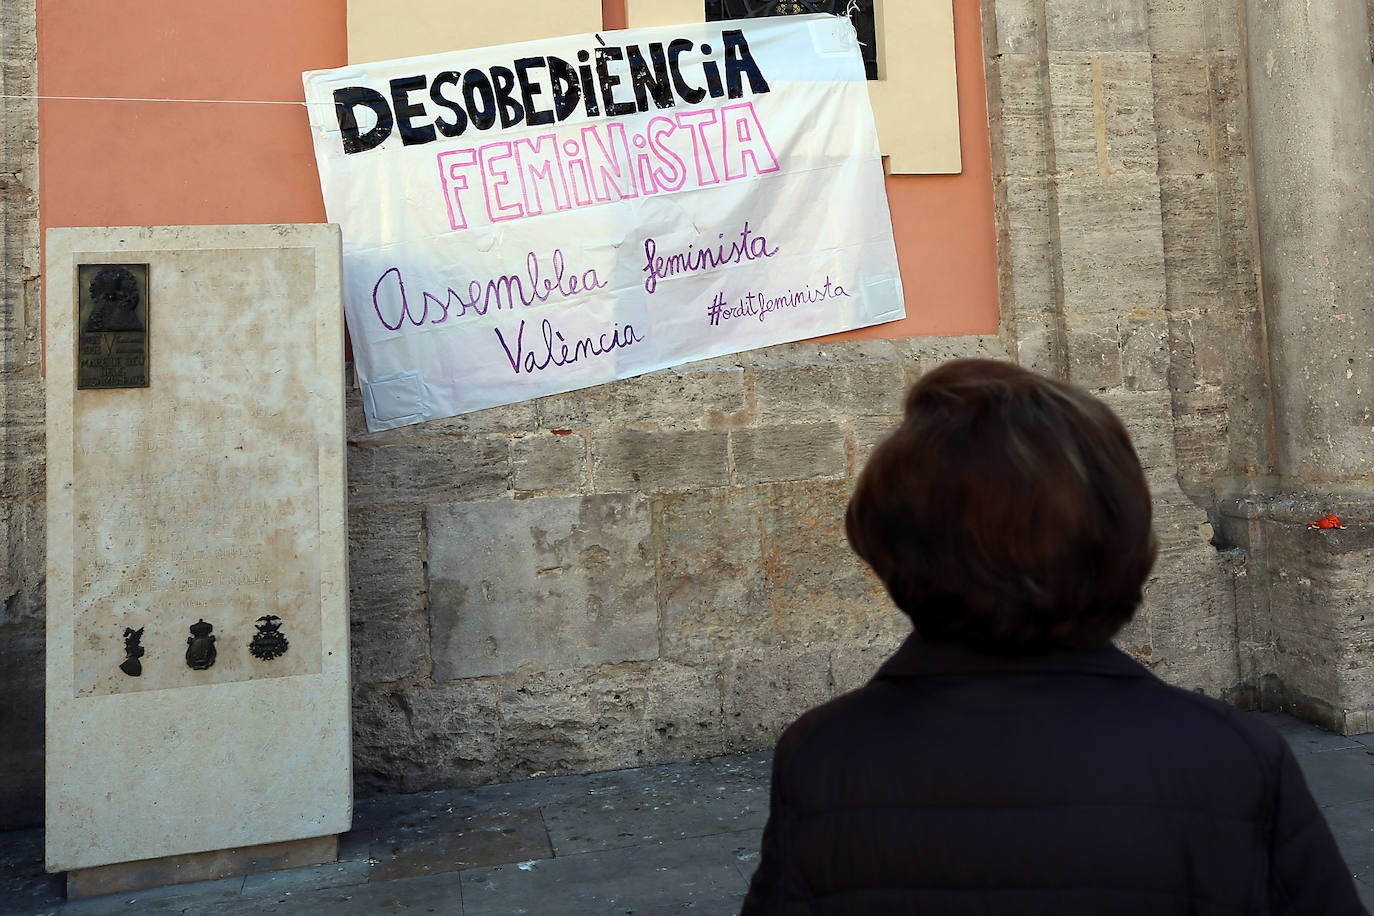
column 1105, row 168
column 1311, row 97
column 1312, row 111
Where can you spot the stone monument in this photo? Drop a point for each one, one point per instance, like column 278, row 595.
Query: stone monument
column 197, row 636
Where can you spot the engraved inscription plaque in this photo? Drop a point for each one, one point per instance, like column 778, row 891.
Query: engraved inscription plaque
column 112, row 326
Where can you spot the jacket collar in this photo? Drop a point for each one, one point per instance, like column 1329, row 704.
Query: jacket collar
column 918, row 658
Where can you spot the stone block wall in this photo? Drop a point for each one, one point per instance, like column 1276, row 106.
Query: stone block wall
column 22, row 481
column 650, row 570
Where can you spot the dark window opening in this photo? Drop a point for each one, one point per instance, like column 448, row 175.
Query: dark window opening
column 860, row 13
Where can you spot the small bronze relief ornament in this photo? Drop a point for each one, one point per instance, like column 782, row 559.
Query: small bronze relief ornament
column 269, row 642
column 131, row 664
column 112, row 326
column 116, row 295
column 200, row 646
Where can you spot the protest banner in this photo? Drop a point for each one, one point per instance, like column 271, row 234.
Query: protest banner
column 537, row 217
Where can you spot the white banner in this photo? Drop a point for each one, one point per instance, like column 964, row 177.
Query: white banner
column 538, row 217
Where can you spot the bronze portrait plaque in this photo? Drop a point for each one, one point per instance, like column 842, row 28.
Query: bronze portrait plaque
column 112, row 326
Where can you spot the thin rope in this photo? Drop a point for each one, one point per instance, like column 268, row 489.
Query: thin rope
column 97, row 98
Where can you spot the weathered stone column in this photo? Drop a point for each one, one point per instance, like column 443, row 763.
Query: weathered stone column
column 1312, row 111
column 1312, row 143
column 1112, row 170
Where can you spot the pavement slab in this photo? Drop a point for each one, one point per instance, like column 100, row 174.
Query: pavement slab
column 344, row 873
column 1353, row 827
column 1340, row 777
column 484, row 840
column 24, row 886
column 175, row 898
column 1305, row 738
column 657, row 877
column 657, row 804
column 440, row 894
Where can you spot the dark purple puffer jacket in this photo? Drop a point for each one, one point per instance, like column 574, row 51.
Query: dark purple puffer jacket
column 1073, row 783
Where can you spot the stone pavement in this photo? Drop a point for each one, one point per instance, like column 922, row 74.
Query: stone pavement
column 665, row 839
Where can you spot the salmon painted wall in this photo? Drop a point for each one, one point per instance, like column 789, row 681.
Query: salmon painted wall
column 121, row 163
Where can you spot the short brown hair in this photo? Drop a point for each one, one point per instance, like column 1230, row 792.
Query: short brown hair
column 1007, row 513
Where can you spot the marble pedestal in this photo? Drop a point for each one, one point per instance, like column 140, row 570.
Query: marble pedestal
column 215, row 493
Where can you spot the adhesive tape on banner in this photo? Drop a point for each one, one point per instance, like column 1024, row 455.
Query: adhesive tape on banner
column 834, row 35
column 395, row 397
column 882, row 299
